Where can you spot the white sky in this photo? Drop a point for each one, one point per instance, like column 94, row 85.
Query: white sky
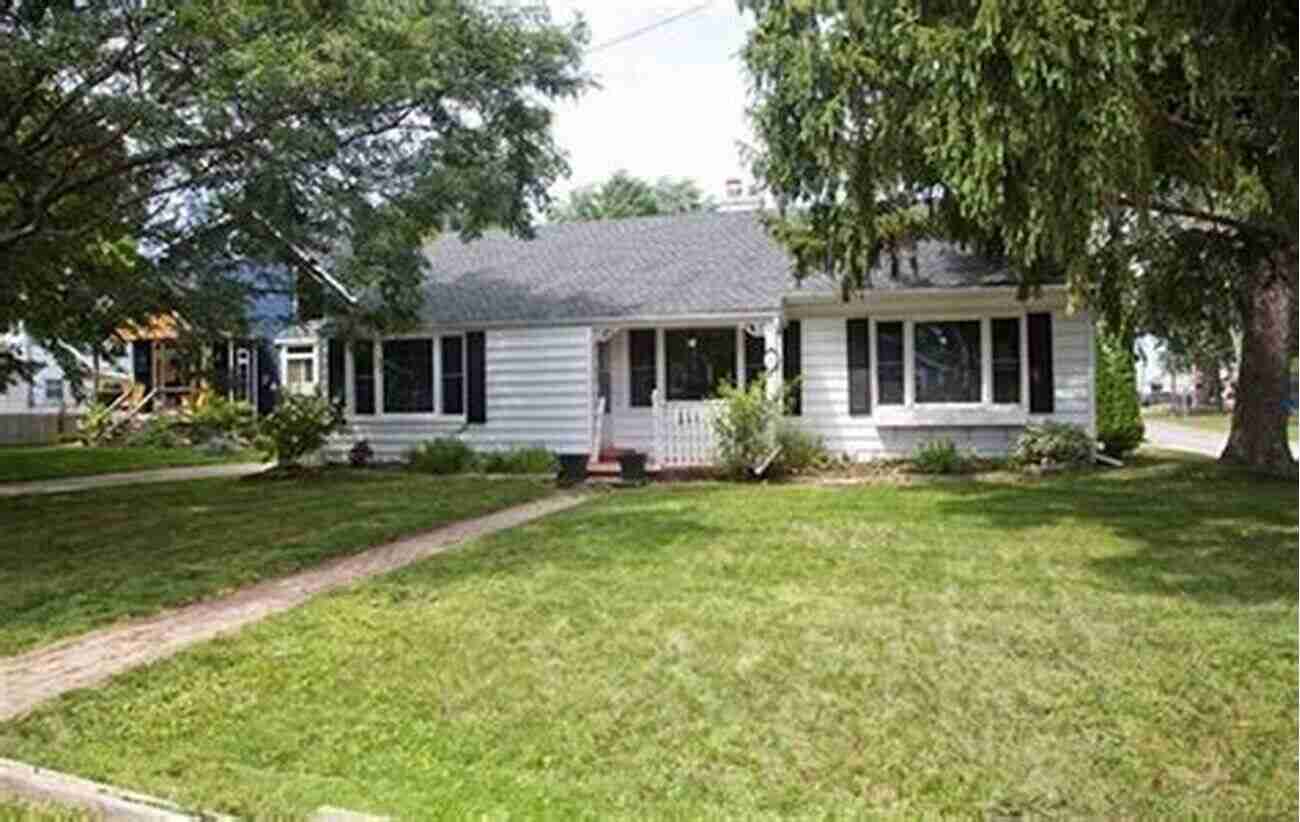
column 671, row 101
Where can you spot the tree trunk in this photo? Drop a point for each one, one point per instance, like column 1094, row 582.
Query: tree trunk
column 1259, row 417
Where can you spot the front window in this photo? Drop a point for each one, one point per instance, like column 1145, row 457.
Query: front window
column 948, row 362
column 408, row 376
column 699, row 360
column 54, row 392
column 300, row 366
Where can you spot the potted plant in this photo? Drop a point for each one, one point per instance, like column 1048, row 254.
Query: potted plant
column 631, row 466
column 573, row 468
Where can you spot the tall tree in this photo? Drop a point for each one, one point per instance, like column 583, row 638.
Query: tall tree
column 1122, row 143
column 623, row 195
column 149, row 152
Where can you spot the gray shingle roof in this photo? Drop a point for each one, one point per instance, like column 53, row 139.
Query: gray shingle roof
column 646, row 267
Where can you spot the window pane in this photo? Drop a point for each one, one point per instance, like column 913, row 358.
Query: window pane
column 54, row 392
column 889, row 362
column 453, row 375
column 641, row 366
column 363, row 376
column 948, row 361
column 300, row 371
column 408, row 376
column 1006, row 360
column 699, row 359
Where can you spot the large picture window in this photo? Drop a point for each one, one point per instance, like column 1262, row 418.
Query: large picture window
column 453, row 375
column 699, row 360
column 408, row 376
column 948, row 362
column 1006, row 360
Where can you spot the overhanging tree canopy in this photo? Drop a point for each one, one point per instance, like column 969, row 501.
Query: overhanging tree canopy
column 149, row 151
column 1123, row 143
column 623, row 195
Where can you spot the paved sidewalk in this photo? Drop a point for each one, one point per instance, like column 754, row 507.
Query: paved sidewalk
column 60, row 486
column 33, row 677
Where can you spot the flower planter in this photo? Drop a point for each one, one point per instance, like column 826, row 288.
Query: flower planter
column 631, row 466
column 573, row 469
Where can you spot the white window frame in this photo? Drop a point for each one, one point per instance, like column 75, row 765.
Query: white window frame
column 987, row 411
column 288, row 355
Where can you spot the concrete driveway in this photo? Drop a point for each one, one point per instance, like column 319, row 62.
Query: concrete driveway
column 1184, row 438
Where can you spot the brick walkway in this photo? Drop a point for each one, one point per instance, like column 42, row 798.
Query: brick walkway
column 33, row 677
column 60, row 486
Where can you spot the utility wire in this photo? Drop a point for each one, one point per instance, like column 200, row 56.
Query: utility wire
column 623, row 38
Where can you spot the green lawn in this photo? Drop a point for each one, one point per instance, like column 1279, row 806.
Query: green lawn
column 71, row 562
column 27, row 464
column 1115, row 645
column 1216, row 423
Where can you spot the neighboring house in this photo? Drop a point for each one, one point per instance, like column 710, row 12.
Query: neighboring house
column 40, row 408
column 603, row 336
column 242, row 368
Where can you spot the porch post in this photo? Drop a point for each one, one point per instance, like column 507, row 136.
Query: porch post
column 773, row 357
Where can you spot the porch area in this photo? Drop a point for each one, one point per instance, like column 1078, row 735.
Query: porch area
column 654, row 387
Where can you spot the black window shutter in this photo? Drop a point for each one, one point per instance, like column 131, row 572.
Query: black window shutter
column 641, row 366
column 792, row 366
column 859, row 339
column 476, row 386
column 336, row 369
column 755, row 354
column 363, row 377
column 1042, row 389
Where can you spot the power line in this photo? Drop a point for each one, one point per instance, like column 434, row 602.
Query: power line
column 623, row 38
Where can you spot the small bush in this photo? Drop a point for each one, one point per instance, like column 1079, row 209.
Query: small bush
column 1052, row 443
column 360, row 454
column 1119, row 411
column 445, row 455
column 801, row 452
column 939, row 457
column 299, row 426
column 161, row 431
column 745, row 426
column 216, row 416
column 528, row 460
column 95, row 424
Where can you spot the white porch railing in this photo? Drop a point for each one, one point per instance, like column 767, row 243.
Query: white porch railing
column 683, row 432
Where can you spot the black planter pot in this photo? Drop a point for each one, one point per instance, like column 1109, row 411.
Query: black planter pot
column 573, row 469
column 631, row 466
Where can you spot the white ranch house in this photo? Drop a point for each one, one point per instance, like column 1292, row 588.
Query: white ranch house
column 608, row 336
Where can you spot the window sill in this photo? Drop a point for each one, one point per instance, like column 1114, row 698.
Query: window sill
column 957, row 415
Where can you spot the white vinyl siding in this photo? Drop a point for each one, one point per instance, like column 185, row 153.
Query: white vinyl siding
column 862, row 437
column 538, row 393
